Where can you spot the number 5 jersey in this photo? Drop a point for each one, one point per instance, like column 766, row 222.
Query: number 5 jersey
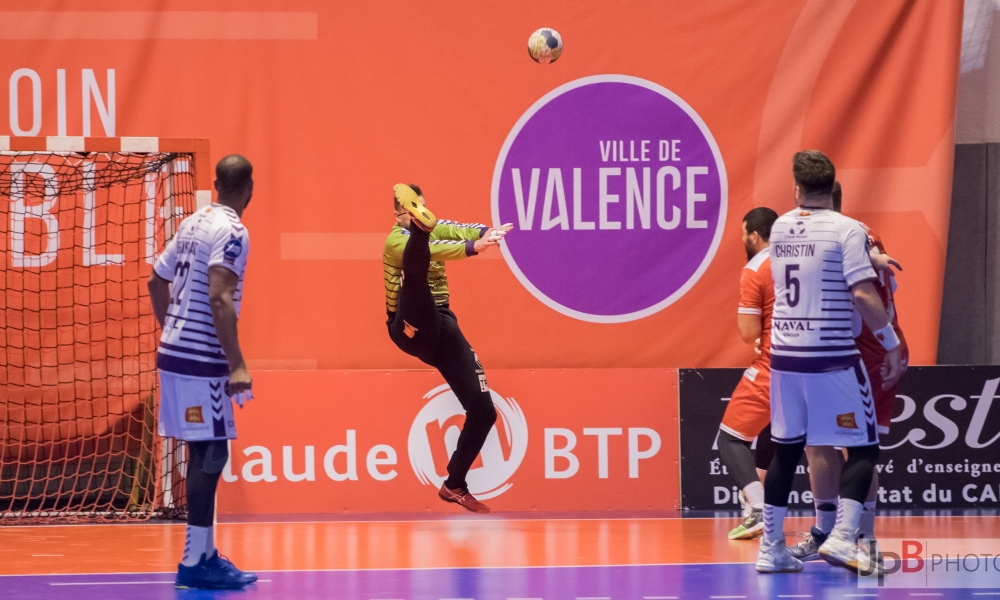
column 817, row 255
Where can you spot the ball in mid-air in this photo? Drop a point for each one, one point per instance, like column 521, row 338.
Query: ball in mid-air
column 545, row 46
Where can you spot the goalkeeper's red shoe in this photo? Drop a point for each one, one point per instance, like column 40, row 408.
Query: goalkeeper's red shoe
column 463, row 498
column 411, row 203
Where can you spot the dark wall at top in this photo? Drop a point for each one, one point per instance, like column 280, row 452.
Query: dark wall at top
column 970, row 312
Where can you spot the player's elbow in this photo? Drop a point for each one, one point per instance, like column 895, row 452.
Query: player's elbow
column 864, row 291
column 749, row 326
column 220, row 301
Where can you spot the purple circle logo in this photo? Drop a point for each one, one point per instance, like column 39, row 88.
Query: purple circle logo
column 617, row 192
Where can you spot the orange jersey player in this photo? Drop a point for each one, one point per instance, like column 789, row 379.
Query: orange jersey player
column 749, row 409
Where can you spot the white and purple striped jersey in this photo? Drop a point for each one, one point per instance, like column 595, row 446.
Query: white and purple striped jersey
column 211, row 236
column 817, row 256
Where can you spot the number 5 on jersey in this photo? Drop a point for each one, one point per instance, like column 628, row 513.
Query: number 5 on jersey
column 792, row 285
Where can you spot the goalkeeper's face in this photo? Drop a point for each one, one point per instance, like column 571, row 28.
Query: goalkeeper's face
column 402, row 217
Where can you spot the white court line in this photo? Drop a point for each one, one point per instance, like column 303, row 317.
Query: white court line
column 110, row 583
column 986, row 593
column 128, row 582
column 379, row 569
column 463, row 519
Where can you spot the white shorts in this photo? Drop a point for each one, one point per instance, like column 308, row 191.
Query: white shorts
column 195, row 409
column 823, row 409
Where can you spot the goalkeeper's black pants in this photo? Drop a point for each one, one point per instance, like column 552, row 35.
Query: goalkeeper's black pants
column 430, row 332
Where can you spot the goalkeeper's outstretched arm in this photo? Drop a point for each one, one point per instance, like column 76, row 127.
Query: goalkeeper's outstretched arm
column 451, row 230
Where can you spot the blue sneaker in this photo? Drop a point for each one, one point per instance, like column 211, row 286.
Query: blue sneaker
column 808, row 549
column 221, row 562
column 215, row 573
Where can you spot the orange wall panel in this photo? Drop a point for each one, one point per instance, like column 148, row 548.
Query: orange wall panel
column 335, row 102
column 545, row 452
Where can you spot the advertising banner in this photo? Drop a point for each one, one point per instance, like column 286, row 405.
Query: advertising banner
column 379, row 441
column 941, row 451
column 625, row 167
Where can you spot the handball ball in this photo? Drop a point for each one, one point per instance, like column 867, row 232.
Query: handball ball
column 545, row 46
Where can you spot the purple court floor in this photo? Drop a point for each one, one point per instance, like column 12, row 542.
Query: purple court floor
column 663, row 582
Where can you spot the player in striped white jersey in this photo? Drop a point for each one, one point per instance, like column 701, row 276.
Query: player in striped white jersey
column 820, row 392
column 824, row 461
column 195, row 289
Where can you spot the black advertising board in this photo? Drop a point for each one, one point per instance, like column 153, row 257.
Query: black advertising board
column 942, row 451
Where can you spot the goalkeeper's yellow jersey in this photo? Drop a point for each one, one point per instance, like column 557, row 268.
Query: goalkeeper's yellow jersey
column 449, row 241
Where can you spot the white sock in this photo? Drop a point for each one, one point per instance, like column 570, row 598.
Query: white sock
column 850, row 513
column 774, row 522
column 194, row 545
column 210, row 542
column 826, row 514
column 867, row 523
column 754, row 493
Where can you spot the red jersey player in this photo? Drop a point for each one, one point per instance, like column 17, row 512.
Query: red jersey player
column 871, row 349
column 749, row 409
column 872, row 353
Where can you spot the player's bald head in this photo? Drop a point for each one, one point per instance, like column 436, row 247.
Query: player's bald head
column 233, row 175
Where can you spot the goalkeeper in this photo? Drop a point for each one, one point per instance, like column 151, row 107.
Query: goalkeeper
column 422, row 325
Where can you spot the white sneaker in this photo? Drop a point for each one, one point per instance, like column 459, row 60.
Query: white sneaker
column 841, row 548
column 870, row 557
column 774, row 557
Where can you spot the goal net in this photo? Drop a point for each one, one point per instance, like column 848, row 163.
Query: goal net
column 79, row 232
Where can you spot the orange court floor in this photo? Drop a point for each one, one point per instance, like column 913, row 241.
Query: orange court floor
column 55, row 553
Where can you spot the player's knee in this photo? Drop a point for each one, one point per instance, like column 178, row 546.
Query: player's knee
column 491, row 413
column 788, row 455
column 216, row 457
column 196, row 454
column 765, row 449
column 866, row 456
column 484, row 413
